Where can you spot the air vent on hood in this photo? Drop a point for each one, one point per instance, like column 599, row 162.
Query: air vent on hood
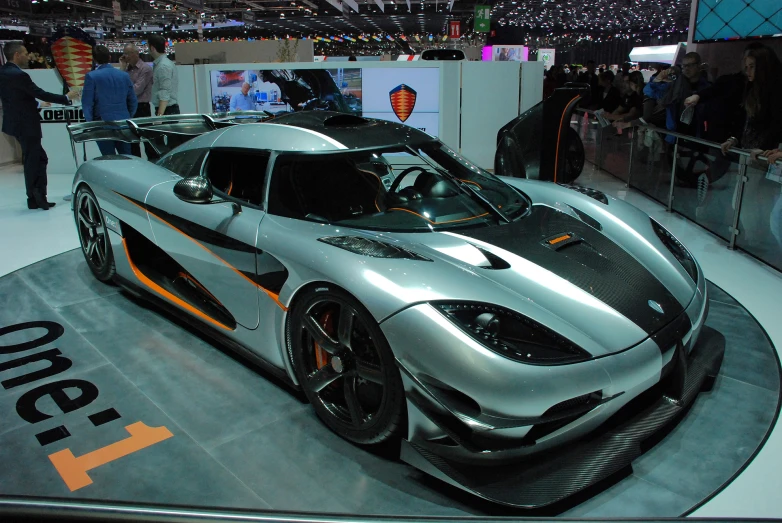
column 342, row 120
column 371, row 247
column 587, row 219
column 592, row 193
column 112, row 157
column 495, row 261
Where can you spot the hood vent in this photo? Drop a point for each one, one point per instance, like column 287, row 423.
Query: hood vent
column 495, row 261
column 371, row 247
column 344, row 120
column 586, row 191
column 584, row 217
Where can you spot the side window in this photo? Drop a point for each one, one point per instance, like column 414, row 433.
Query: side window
column 186, row 163
column 238, row 174
column 323, row 187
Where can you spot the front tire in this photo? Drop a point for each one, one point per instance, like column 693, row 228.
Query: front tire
column 345, row 366
column 93, row 235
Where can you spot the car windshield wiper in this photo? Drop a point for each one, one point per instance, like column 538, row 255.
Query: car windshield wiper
column 465, row 188
column 474, row 195
column 485, row 201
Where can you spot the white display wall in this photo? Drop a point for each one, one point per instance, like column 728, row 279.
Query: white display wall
column 463, row 103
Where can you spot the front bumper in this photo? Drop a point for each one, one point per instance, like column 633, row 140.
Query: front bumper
column 473, row 415
column 555, row 475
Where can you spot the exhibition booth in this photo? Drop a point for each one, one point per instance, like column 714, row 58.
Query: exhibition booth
column 462, row 103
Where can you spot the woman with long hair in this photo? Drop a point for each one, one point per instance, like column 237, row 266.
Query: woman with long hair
column 759, row 123
column 762, row 127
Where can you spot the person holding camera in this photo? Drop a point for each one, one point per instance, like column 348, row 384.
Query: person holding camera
column 672, row 87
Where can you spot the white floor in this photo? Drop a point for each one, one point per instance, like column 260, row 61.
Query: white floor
column 27, row 236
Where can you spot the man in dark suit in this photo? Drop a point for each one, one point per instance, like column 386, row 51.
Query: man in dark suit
column 18, row 94
column 108, row 95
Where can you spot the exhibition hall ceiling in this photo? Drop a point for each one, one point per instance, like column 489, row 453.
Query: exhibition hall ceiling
column 319, row 17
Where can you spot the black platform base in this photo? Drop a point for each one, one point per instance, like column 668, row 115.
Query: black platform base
column 106, row 398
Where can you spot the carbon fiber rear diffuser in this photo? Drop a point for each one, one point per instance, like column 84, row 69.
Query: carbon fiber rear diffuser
column 563, row 472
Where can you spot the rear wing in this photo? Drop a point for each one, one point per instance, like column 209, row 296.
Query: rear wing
column 163, row 133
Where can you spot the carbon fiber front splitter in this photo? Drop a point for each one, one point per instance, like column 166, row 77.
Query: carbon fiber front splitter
column 552, row 476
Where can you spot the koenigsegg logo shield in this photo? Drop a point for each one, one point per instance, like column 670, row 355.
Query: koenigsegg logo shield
column 656, row 306
column 402, row 101
column 73, row 58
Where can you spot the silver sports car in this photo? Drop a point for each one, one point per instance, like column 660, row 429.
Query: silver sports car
column 522, row 338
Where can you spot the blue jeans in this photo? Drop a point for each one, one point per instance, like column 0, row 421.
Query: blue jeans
column 113, row 147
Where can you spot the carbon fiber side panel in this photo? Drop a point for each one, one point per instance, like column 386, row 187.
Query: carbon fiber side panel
column 558, row 474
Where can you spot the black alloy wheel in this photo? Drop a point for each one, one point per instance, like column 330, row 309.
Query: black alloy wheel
column 574, row 157
column 346, row 367
column 93, row 236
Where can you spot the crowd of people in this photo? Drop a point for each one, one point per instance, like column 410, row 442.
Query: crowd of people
column 109, row 93
column 741, row 110
column 736, row 110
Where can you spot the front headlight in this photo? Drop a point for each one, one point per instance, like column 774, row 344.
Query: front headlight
column 678, row 250
column 511, row 335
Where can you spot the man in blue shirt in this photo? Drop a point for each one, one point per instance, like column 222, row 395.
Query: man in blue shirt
column 108, row 95
column 672, row 93
column 243, row 101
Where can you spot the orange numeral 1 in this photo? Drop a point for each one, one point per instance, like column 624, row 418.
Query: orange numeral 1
column 73, row 470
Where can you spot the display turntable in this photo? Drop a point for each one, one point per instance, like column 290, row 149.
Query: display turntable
column 135, row 406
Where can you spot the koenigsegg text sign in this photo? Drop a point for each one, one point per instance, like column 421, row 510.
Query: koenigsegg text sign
column 61, row 115
column 68, row 395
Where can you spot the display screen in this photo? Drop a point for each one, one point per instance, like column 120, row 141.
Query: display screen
column 409, row 96
column 287, row 90
column 510, row 53
column 733, row 19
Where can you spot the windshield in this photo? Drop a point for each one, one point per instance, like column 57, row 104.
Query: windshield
column 421, row 187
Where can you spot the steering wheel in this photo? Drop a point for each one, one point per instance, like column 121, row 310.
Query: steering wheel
column 395, row 185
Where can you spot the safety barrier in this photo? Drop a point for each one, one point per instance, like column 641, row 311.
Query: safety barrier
column 736, row 198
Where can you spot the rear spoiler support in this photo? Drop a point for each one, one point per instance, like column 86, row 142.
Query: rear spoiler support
column 163, row 133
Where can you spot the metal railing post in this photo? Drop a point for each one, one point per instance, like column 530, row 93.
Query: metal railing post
column 734, row 230
column 599, row 148
column 673, row 174
column 632, row 147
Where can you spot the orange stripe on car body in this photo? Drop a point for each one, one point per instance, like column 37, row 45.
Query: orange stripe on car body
column 167, row 295
column 273, row 296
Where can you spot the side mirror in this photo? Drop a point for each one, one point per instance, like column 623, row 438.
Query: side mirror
column 194, row 190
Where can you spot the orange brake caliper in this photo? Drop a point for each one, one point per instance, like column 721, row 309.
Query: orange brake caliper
column 321, row 356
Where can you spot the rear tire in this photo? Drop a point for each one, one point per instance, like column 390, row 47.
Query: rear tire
column 574, row 157
column 93, row 235
column 345, row 366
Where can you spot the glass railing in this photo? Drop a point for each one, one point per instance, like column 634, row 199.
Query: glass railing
column 729, row 195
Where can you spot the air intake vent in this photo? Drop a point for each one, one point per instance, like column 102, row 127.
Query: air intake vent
column 587, row 219
column 370, row 247
column 592, row 193
column 496, row 262
column 112, row 157
column 344, row 120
